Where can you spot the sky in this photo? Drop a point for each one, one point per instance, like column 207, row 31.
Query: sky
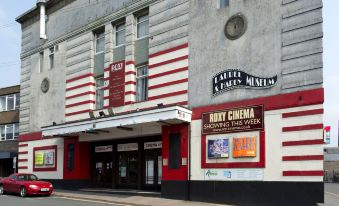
column 10, row 35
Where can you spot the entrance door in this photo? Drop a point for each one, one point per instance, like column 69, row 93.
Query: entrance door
column 103, row 170
column 128, row 169
column 153, row 169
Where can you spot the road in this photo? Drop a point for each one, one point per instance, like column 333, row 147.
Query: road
column 331, row 194
column 14, row 200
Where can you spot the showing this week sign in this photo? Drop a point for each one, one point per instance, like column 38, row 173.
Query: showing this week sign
column 233, row 120
column 233, row 78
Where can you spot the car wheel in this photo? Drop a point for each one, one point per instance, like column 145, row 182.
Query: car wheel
column 23, row 192
column 2, row 191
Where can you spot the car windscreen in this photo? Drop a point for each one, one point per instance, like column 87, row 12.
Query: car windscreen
column 27, row 177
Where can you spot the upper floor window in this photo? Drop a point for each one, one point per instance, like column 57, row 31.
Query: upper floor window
column 41, row 62
column 142, row 26
column 9, row 132
column 99, row 42
column 9, row 102
column 51, row 57
column 223, row 3
column 99, row 93
column 142, row 83
column 120, row 34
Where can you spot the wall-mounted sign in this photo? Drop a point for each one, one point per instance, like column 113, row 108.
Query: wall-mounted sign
column 117, row 84
column 233, row 120
column 327, row 134
column 127, row 147
column 233, row 78
column 44, row 158
column 218, row 148
column 234, row 174
column 107, row 148
column 153, row 145
column 245, row 147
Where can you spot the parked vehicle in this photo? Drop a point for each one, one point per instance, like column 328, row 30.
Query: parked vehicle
column 25, row 184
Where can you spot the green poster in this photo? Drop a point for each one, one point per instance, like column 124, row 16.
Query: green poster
column 39, row 158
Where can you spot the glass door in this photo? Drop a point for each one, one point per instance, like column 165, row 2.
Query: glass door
column 153, row 170
column 128, row 169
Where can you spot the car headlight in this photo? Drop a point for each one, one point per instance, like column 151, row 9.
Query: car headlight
column 33, row 187
column 50, row 185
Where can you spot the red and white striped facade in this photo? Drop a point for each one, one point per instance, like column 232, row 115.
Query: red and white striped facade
column 167, row 85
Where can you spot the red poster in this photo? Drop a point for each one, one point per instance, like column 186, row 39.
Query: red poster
column 117, row 84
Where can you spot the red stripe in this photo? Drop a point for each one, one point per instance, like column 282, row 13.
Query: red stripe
column 303, row 127
column 169, row 50
column 80, row 86
column 23, row 168
column 130, row 62
column 106, row 79
column 168, row 95
column 168, row 73
column 130, row 72
column 280, row 101
column 303, row 142
column 303, row 158
column 130, row 92
column 80, row 103
column 25, row 152
column 303, row 113
column 106, row 97
column 167, row 84
column 106, row 69
column 79, row 95
column 129, row 102
column 30, row 137
column 23, row 145
column 130, row 82
column 168, row 62
column 78, row 112
column 80, row 77
column 304, row 173
column 22, row 160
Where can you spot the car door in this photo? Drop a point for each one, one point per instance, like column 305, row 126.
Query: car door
column 5, row 183
column 9, row 183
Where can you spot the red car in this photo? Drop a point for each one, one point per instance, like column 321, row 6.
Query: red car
column 25, row 184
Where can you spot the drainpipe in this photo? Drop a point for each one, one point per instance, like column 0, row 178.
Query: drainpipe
column 42, row 5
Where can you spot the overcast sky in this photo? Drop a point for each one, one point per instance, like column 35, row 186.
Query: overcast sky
column 10, row 50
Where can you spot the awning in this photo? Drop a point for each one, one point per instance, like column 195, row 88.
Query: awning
column 7, row 155
column 169, row 115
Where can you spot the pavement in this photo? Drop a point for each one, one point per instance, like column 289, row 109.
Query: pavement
column 92, row 197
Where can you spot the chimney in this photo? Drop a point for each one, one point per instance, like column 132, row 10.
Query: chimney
column 42, row 5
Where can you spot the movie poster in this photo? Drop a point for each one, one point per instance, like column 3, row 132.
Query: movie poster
column 245, row 147
column 218, row 148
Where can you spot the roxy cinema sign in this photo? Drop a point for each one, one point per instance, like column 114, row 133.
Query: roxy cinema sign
column 233, row 120
column 233, row 78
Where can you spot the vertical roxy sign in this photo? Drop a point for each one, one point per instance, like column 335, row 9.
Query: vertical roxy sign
column 117, row 84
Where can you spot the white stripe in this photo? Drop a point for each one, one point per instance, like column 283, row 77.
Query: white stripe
column 168, row 78
column 168, row 89
column 168, row 56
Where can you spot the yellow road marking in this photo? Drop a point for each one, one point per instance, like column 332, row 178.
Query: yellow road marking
column 93, row 201
column 330, row 193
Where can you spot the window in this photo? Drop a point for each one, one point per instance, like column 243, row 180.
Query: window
column 120, row 35
column 9, row 132
column 17, row 101
column 174, row 151
column 41, row 62
column 99, row 99
column 223, row 3
column 142, row 26
column 51, row 57
column 142, row 83
column 9, row 102
column 99, row 42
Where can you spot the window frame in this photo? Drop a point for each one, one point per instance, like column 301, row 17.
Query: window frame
column 117, row 31
column 15, row 106
column 137, row 77
column 137, row 23
column 227, row 4
column 5, row 127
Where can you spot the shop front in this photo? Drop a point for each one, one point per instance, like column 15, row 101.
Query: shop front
column 128, row 164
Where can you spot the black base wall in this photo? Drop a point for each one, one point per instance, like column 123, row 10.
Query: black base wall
column 174, row 190
column 70, row 184
column 247, row 193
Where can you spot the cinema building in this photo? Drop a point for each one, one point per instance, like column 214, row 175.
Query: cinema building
column 217, row 101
